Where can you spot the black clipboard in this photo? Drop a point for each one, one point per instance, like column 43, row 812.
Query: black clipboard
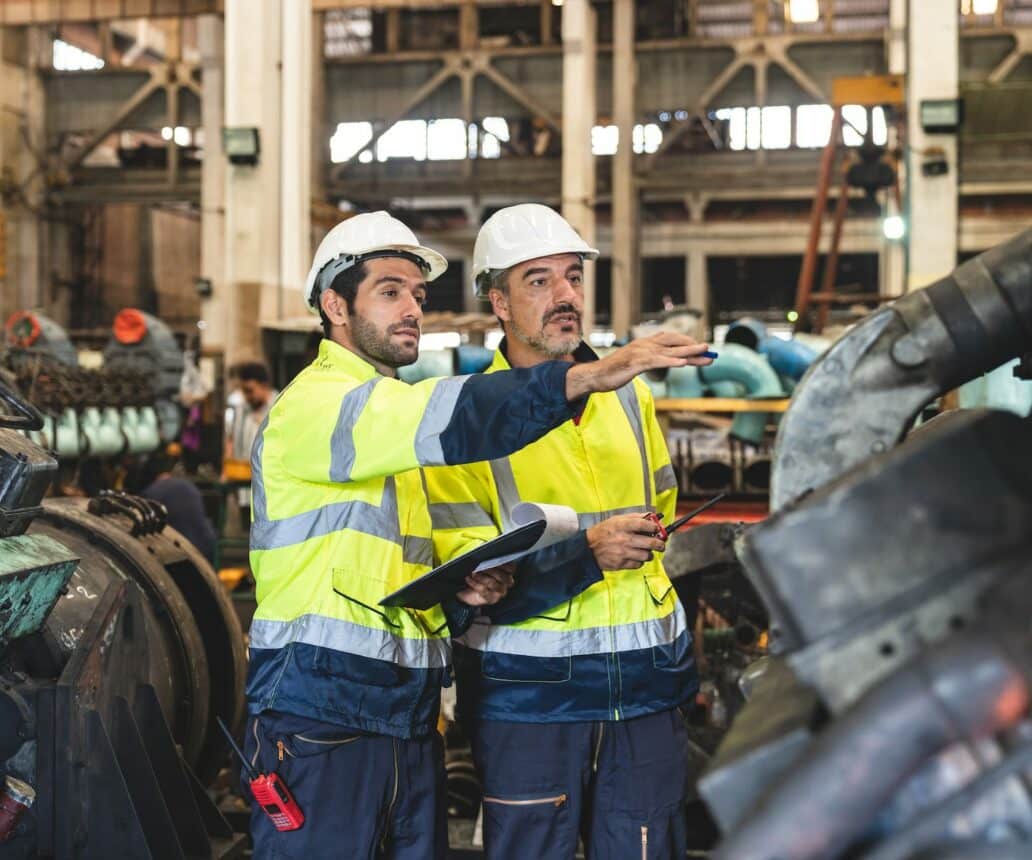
column 450, row 578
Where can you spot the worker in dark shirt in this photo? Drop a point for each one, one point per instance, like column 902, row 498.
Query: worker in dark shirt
column 181, row 499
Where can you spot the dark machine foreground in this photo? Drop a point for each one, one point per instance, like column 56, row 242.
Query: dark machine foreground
column 118, row 650
column 891, row 724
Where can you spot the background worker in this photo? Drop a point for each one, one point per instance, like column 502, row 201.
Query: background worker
column 246, row 409
column 343, row 693
column 569, row 688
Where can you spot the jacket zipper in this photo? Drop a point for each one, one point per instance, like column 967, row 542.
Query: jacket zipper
column 257, row 744
column 644, row 843
column 556, row 801
column 609, row 588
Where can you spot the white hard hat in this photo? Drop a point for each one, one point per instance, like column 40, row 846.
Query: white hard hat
column 520, row 233
column 363, row 237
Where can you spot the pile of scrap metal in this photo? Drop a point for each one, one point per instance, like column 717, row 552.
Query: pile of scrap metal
column 892, row 721
column 127, row 406
column 118, row 650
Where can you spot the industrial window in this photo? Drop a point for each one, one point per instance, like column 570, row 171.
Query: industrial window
column 771, row 127
column 68, row 58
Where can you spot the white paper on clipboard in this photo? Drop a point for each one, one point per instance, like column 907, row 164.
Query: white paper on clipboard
column 560, row 523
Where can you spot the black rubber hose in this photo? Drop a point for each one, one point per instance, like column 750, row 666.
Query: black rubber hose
column 965, row 688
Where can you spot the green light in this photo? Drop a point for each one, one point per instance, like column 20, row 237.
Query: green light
column 792, row 316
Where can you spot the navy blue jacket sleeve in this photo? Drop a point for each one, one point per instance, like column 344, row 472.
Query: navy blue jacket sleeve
column 497, row 414
column 547, row 578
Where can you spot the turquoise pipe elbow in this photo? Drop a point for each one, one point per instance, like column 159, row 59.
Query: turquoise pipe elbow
column 102, row 432
column 790, row 358
column 140, row 427
column 751, row 370
column 740, row 364
column 683, row 382
column 66, row 435
column 472, row 359
column 726, row 388
column 431, row 363
column 747, row 331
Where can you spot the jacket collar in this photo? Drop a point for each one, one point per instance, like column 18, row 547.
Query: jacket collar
column 336, row 357
column 581, row 354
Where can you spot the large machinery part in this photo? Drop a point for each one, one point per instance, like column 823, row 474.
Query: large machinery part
column 712, row 462
column 899, row 602
column 119, row 649
column 144, row 344
column 861, row 396
column 31, row 334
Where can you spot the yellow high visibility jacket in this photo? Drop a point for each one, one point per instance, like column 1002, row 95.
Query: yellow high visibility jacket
column 611, row 644
column 340, row 520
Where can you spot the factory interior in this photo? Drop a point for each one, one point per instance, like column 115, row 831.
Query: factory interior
column 791, row 241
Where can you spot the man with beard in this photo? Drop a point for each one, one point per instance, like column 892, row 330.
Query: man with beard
column 570, row 687
column 343, row 693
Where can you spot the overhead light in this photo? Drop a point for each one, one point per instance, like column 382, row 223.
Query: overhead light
column 894, row 227
column 557, row 2
column 792, row 316
column 804, row 11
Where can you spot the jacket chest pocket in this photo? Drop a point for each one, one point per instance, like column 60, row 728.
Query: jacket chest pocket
column 518, row 668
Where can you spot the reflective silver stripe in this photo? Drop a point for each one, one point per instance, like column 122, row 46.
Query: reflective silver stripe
column 258, row 505
column 505, row 486
column 380, row 521
column 665, row 478
column 436, row 418
column 342, row 442
column 503, row 639
column 459, row 515
column 340, row 635
column 417, row 550
column 629, row 400
column 593, row 518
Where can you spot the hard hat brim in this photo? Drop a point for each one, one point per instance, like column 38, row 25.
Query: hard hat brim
column 583, row 251
column 435, row 262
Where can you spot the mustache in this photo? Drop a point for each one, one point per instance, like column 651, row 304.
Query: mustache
column 559, row 310
column 395, row 327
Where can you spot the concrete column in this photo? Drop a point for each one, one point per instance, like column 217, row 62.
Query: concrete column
column 214, row 309
column 892, row 257
column 268, row 232
column 321, row 131
column 579, row 112
column 22, row 232
column 696, row 288
column 296, row 155
column 932, row 73
column 626, row 301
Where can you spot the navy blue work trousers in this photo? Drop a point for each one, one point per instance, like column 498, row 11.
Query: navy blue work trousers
column 363, row 796
column 619, row 786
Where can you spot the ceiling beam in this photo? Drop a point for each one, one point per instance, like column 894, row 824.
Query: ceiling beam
column 378, row 5
column 15, row 13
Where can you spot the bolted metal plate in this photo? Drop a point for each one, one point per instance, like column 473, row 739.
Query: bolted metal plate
column 34, row 569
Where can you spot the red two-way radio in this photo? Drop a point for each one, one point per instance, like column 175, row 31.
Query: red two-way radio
column 663, row 532
column 270, row 791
